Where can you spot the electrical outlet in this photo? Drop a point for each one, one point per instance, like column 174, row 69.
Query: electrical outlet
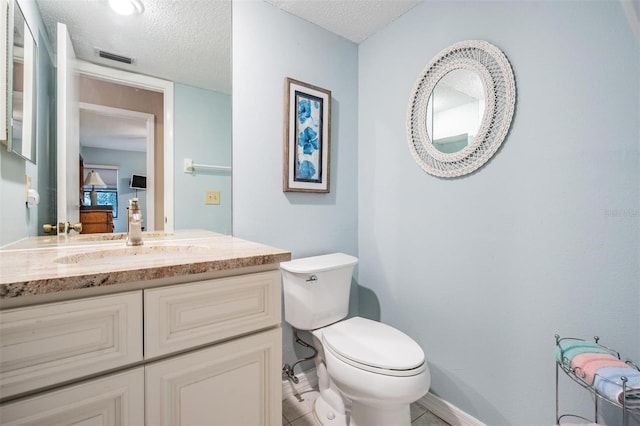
column 212, row 197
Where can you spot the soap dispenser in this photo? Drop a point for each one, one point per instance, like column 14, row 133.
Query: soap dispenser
column 134, row 223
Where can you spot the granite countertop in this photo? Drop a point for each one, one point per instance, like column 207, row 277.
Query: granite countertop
column 43, row 265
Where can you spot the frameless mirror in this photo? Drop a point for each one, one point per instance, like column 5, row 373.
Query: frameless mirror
column 4, row 75
column 22, row 132
column 194, row 55
column 455, row 110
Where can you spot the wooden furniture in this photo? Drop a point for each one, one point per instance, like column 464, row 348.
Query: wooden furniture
column 204, row 351
column 95, row 220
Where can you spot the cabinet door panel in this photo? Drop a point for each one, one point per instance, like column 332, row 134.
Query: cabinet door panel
column 233, row 383
column 53, row 343
column 113, row 400
column 189, row 315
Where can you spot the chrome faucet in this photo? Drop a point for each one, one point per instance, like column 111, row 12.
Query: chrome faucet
column 134, row 223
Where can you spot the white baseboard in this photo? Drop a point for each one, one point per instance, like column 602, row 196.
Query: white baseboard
column 446, row 411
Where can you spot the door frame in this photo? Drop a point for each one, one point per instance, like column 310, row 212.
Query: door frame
column 149, row 120
column 157, row 85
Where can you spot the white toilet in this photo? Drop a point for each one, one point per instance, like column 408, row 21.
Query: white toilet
column 368, row 372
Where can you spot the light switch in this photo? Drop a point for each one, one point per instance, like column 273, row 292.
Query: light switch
column 27, row 186
column 212, row 197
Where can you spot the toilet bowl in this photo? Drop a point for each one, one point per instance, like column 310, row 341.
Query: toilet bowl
column 379, row 369
column 368, row 372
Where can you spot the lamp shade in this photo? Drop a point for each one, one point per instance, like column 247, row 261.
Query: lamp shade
column 94, row 179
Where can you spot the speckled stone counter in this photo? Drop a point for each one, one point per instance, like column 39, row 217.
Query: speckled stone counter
column 45, row 265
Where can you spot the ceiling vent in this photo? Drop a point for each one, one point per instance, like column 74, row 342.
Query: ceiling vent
column 115, row 57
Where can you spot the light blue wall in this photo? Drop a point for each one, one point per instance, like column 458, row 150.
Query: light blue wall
column 129, row 162
column 269, row 45
column 483, row 270
column 16, row 221
column 202, row 129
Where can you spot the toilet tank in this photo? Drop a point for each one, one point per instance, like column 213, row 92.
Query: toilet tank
column 316, row 289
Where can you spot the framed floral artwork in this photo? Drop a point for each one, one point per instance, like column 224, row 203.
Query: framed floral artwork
column 307, row 128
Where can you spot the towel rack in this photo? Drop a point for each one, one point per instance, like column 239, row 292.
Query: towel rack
column 565, row 366
column 189, row 166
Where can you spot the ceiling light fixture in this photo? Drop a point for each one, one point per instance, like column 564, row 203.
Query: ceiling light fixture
column 127, row 7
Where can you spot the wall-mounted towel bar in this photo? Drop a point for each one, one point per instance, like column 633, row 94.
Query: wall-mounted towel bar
column 189, row 166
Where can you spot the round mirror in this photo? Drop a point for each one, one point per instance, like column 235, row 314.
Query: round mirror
column 455, row 110
column 461, row 108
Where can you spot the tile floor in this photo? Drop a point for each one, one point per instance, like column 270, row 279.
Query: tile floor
column 298, row 412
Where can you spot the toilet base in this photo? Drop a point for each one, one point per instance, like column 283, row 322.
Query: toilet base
column 365, row 415
column 327, row 415
column 361, row 415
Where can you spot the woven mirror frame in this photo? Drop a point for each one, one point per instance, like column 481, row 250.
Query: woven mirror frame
column 494, row 70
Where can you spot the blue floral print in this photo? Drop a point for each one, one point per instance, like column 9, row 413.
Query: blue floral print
column 306, row 170
column 304, row 109
column 308, row 140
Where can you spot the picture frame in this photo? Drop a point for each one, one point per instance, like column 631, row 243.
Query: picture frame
column 307, row 137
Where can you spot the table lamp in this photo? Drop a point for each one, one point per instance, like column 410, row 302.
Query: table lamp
column 94, row 179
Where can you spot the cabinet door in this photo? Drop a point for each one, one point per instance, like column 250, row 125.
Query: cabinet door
column 113, row 400
column 189, row 315
column 53, row 343
column 233, row 383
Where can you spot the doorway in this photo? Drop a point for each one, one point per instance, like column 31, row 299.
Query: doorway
column 148, row 95
column 121, row 143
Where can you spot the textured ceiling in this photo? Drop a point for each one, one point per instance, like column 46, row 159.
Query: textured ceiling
column 355, row 20
column 187, row 41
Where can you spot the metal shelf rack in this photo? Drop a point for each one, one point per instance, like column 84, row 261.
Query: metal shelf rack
column 565, row 366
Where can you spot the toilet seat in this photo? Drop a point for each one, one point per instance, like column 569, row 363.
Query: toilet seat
column 375, row 347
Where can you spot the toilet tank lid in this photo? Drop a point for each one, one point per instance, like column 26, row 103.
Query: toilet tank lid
column 307, row 265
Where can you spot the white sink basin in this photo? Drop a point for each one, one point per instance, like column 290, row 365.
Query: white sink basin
column 136, row 254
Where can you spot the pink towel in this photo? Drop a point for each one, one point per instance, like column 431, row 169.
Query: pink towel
column 586, row 365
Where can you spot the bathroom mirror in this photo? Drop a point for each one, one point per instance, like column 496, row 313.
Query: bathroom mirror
column 23, row 79
column 186, row 31
column 461, row 108
column 4, row 76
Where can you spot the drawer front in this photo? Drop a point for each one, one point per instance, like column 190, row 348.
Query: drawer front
column 114, row 400
column 96, row 228
column 48, row 344
column 188, row 315
column 96, row 217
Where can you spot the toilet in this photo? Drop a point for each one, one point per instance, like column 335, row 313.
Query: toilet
column 368, row 372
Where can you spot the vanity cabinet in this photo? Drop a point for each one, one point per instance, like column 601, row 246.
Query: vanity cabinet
column 211, row 355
